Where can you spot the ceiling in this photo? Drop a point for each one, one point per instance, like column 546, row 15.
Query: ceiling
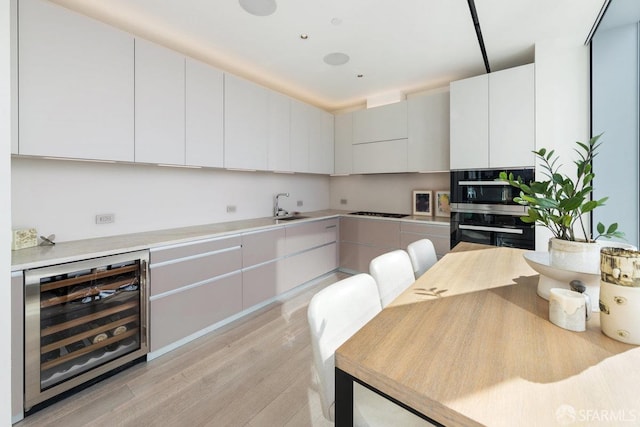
column 396, row 45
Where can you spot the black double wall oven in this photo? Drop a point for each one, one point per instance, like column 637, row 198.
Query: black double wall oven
column 483, row 210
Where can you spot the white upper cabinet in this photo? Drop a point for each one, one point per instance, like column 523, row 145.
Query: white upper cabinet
column 380, row 157
column 321, row 143
column 380, row 139
column 204, row 98
column 343, row 140
column 428, row 144
column 470, row 123
column 493, row 120
column 75, row 85
column 512, row 117
column 311, row 139
column 382, row 123
column 246, row 123
column 279, row 154
column 160, row 104
column 301, row 118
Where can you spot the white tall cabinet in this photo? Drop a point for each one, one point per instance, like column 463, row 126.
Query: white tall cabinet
column 512, row 117
column 470, row 123
column 204, row 112
column 160, row 107
column 75, row 85
column 493, row 120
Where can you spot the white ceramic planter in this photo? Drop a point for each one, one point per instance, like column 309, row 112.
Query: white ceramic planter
column 571, row 265
column 575, row 256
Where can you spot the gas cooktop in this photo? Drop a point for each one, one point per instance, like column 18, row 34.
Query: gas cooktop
column 379, row 214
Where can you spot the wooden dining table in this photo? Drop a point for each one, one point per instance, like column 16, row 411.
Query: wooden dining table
column 470, row 343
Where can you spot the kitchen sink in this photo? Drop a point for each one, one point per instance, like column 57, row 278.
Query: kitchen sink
column 290, row 217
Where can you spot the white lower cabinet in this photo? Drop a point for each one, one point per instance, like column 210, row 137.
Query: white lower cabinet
column 17, row 346
column 186, row 312
column 197, row 284
column 312, row 251
column 262, row 282
column 193, row 286
column 310, row 264
column 438, row 234
column 262, row 265
column 361, row 240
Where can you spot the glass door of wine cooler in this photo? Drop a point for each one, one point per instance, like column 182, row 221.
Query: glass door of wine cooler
column 83, row 319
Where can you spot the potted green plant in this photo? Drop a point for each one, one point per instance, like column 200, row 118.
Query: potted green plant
column 559, row 204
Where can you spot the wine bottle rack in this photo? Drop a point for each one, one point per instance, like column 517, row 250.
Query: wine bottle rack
column 86, row 317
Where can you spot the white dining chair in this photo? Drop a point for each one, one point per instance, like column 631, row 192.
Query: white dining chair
column 423, row 255
column 335, row 314
column 393, row 274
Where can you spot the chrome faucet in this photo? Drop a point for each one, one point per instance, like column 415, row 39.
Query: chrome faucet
column 277, row 210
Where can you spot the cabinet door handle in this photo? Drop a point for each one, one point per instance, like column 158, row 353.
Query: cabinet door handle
column 330, row 226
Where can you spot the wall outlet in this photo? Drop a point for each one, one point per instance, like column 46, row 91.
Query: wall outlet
column 105, row 218
column 343, row 201
column 231, row 208
column 299, row 203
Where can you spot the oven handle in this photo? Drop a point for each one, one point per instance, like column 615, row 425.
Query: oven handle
column 513, row 210
column 485, row 228
column 497, row 182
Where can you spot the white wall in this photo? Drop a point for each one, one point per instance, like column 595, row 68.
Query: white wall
column 562, row 104
column 62, row 197
column 383, row 193
column 5, row 212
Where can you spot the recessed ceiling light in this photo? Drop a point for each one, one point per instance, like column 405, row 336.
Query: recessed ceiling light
column 259, row 7
column 336, row 58
column 304, row 36
column 336, row 21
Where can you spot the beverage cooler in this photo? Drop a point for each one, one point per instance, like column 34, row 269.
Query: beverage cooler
column 83, row 319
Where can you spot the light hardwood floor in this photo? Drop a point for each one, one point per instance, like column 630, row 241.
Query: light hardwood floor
column 256, row 371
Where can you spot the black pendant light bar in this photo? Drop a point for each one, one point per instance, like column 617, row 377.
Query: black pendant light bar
column 476, row 24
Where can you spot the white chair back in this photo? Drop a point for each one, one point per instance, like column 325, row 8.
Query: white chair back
column 335, row 314
column 422, row 255
column 393, row 274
